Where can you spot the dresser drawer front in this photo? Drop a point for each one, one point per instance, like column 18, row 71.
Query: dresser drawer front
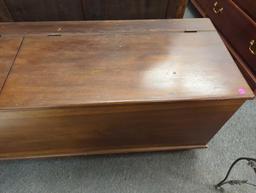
column 248, row 6
column 235, row 26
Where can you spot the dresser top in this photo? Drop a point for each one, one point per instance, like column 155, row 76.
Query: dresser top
column 58, row 64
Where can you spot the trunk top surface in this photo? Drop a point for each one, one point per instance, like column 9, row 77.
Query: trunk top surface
column 116, row 62
column 8, row 51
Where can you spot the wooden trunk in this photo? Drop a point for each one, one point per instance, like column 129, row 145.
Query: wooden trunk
column 72, row 88
column 60, row 10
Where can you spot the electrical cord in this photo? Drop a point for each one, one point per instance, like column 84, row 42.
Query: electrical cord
column 251, row 163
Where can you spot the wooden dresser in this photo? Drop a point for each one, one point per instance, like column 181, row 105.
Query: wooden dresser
column 63, row 10
column 236, row 22
column 72, row 88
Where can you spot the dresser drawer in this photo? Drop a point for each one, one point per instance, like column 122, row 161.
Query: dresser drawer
column 235, row 26
column 249, row 6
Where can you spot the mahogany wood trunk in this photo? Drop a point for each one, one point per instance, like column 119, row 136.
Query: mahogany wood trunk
column 76, row 88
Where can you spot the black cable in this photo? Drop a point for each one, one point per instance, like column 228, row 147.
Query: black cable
column 222, row 182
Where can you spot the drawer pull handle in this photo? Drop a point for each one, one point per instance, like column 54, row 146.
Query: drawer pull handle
column 216, row 8
column 252, row 47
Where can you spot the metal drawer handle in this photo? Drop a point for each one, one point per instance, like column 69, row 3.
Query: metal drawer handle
column 216, row 8
column 252, row 47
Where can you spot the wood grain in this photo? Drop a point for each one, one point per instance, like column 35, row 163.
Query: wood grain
column 246, row 71
column 248, row 6
column 45, row 28
column 45, row 10
column 237, row 32
column 115, row 88
column 63, row 10
column 121, row 68
column 111, row 129
column 8, row 50
column 126, row 9
column 5, row 15
column 176, row 9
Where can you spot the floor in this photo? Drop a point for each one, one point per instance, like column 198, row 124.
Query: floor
column 178, row 172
